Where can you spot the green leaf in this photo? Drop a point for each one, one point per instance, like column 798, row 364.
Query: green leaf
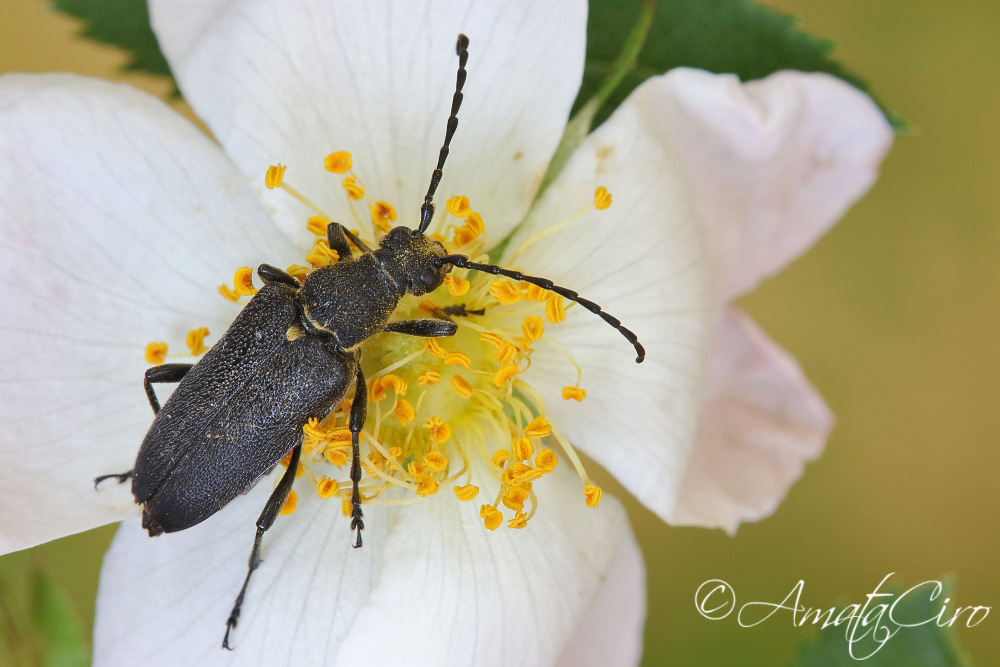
column 724, row 36
column 923, row 646
column 121, row 23
column 56, row 626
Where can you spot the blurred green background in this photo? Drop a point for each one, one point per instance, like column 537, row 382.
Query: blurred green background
column 894, row 316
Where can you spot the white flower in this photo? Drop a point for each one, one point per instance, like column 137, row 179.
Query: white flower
column 119, row 219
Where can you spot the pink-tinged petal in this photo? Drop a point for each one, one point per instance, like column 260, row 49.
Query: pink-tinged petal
column 611, row 633
column 431, row 586
column 119, row 219
column 643, row 260
column 772, row 163
column 376, row 78
column 761, row 423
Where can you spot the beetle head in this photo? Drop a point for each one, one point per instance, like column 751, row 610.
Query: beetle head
column 416, row 255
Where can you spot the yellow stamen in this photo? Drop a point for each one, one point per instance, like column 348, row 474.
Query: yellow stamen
column 536, row 293
column 467, row 492
column 574, row 393
column 522, row 449
column 429, row 378
column 475, row 223
column 491, row 516
column 317, row 225
column 156, row 353
column 243, row 281
column 515, row 498
column 404, row 411
column 458, row 359
column 435, row 348
column 327, row 488
column 461, row 386
column 275, row 174
column 383, row 215
column 435, row 460
column 439, row 431
column 546, row 460
column 300, row 273
column 196, row 341
column 225, row 291
column 532, row 327
column 555, row 311
column 459, row 207
column 506, row 353
column 504, row 374
column 390, row 381
column 538, row 428
column 290, row 503
column 354, row 189
column 339, row 162
column 322, row 254
column 500, row 457
column 336, row 456
column 457, row 286
column 426, row 486
column 505, row 291
column 345, row 507
column 491, row 338
column 519, row 521
column 602, row 198
column 593, row 494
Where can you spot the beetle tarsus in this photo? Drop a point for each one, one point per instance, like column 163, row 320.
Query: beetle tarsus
column 122, row 477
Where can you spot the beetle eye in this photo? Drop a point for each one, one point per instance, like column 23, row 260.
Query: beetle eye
column 429, row 278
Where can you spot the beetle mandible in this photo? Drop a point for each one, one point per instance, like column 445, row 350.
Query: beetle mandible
column 293, row 354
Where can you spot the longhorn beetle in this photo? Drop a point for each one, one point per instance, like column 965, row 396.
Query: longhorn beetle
column 292, row 354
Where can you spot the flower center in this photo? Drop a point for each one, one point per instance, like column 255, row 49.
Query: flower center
column 441, row 410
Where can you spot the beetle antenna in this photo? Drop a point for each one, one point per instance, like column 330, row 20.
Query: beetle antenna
column 462, row 262
column 427, row 208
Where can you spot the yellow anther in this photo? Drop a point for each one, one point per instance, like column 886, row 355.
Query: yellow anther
column 467, row 492
column 464, row 235
column 339, row 162
column 426, row 486
column 602, row 198
column 532, row 327
column 593, row 494
column 439, row 431
column 505, row 291
column 225, row 291
column 435, row 348
column 437, row 237
column 340, row 437
column 322, row 254
column 327, row 488
column 395, row 452
column 500, row 457
column 538, row 428
column 574, row 393
column 317, row 225
column 436, row 461
column 336, row 456
column 196, row 341
column 457, row 286
column 429, row 378
column 546, row 460
column 515, row 498
column 300, row 273
column 415, row 468
column 243, row 281
column 522, row 448
column 345, row 507
column 290, row 503
column 520, row 520
column 275, row 174
column 383, row 215
column 381, row 384
column 475, row 223
column 156, row 353
column 491, row 338
column 461, row 386
column 458, row 359
column 504, row 374
column 536, row 293
column 492, row 517
column 458, row 206
column 354, row 189
column 516, row 473
column 404, row 411
column 555, row 311
column 312, row 429
column 506, row 353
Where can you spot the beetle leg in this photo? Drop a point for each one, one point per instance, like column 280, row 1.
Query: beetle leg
column 272, row 274
column 429, row 328
column 271, row 510
column 460, row 310
column 121, row 476
column 359, row 410
column 336, row 239
column 362, row 246
column 160, row 374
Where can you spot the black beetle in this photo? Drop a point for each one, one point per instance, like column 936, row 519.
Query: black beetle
column 291, row 355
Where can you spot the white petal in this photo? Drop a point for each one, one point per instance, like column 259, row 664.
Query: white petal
column 611, row 633
column 376, row 78
column 772, row 163
column 761, row 423
column 431, row 585
column 644, row 261
column 451, row 592
column 118, row 221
